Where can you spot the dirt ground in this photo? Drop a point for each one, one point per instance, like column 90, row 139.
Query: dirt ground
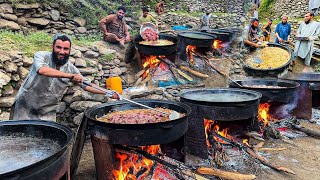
column 302, row 155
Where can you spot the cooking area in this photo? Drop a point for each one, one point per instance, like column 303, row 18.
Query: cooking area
column 181, row 95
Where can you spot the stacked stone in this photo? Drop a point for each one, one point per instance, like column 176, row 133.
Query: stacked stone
column 37, row 16
column 292, row 8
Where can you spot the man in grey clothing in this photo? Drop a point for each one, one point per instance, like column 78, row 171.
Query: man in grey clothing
column 49, row 77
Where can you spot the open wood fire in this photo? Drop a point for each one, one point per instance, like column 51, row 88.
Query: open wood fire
column 132, row 166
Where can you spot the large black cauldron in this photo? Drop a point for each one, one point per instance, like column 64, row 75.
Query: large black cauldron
column 45, row 143
column 284, row 93
column 139, row 134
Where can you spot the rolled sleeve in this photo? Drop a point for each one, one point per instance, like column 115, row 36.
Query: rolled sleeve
column 40, row 60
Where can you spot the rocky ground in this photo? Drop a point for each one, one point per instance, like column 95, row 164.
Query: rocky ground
column 301, row 155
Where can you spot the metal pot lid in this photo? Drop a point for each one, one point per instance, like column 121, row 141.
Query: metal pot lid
column 220, row 95
column 309, row 77
column 197, row 35
column 285, row 84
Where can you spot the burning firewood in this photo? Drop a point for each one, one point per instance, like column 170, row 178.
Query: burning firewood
column 176, row 168
column 140, row 73
column 194, row 72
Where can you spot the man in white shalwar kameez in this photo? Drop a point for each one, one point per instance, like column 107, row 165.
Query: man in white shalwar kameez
column 310, row 30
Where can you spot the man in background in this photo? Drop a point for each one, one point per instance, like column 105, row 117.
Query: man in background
column 146, row 17
column 308, row 31
column 252, row 37
column 114, row 28
column 205, row 21
column 267, row 30
column 160, row 7
column 283, row 30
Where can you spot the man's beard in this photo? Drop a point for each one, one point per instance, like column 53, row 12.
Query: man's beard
column 284, row 23
column 57, row 61
column 253, row 27
column 120, row 18
column 307, row 22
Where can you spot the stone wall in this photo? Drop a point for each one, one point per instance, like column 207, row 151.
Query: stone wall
column 225, row 13
column 292, row 8
column 22, row 17
column 221, row 21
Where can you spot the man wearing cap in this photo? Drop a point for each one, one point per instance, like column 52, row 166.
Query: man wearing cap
column 114, row 27
column 205, row 21
column 50, row 75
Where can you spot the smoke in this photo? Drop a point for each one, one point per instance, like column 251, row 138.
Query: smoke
column 285, row 111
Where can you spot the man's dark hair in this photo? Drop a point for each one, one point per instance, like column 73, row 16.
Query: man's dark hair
column 145, row 9
column 311, row 13
column 62, row 37
column 122, row 8
column 254, row 20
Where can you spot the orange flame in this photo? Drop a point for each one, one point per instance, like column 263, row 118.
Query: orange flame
column 191, row 48
column 131, row 164
column 213, row 125
column 152, row 61
column 217, row 44
column 263, row 113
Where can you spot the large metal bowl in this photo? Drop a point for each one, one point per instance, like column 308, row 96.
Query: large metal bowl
column 252, row 71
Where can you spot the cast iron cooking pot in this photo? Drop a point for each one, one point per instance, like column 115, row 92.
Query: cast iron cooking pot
column 272, row 71
column 283, row 94
column 223, row 104
column 195, row 38
column 139, row 134
column 158, row 50
column 32, row 149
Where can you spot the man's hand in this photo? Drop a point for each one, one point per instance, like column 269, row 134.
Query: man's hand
column 76, row 78
column 127, row 39
column 113, row 95
column 280, row 40
column 106, row 33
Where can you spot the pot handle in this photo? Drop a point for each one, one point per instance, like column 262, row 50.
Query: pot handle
column 168, row 126
column 240, row 105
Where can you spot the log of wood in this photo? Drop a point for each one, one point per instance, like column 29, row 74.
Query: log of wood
column 269, row 149
column 140, row 73
column 253, row 154
column 225, row 174
column 186, row 172
column 138, row 81
column 187, row 77
column 194, row 72
column 309, row 132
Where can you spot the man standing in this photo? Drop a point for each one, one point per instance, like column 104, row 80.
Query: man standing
column 146, row 17
column 50, row 75
column 308, row 31
column 253, row 38
column 283, row 30
column 267, row 30
column 160, row 7
column 114, row 27
column 205, row 21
